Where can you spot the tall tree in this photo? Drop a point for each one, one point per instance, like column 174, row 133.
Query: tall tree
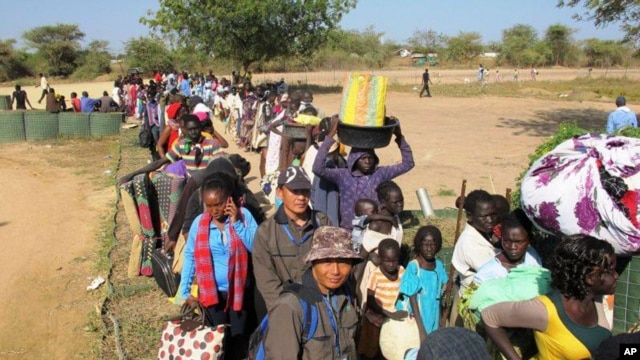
column 558, row 36
column 428, row 41
column 149, row 53
column 57, row 44
column 605, row 53
column 247, row 30
column 94, row 60
column 603, row 13
column 11, row 64
column 464, row 47
column 516, row 41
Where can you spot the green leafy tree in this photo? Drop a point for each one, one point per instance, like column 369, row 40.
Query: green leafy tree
column 605, row 53
column 428, row 41
column 464, row 47
column 147, row 53
column 187, row 57
column 558, row 36
column 366, row 45
column 515, row 41
column 11, row 62
column 57, row 44
column 247, row 31
column 602, row 13
column 94, row 61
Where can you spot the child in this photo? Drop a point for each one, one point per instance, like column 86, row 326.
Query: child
column 382, row 293
column 424, row 280
column 391, row 204
column 364, row 208
column 384, row 224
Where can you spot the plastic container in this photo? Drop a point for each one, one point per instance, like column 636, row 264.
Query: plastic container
column 40, row 125
column 74, row 124
column 367, row 137
column 295, row 131
column 12, row 126
column 102, row 124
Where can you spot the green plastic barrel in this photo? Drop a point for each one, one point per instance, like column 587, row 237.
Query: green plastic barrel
column 74, row 124
column 105, row 123
column 5, row 102
column 40, row 125
column 12, row 126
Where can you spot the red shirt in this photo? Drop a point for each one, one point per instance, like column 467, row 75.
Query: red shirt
column 158, row 77
column 75, row 102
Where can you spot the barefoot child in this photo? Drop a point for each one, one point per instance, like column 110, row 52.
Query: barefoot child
column 382, row 293
column 424, row 280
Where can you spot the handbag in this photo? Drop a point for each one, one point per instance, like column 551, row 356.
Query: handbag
column 188, row 337
column 145, row 138
column 162, row 264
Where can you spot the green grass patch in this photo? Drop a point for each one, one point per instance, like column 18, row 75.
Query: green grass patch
column 445, row 192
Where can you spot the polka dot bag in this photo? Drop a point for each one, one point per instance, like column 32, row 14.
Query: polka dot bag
column 187, row 337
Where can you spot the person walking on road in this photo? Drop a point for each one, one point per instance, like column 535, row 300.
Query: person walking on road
column 425, row 83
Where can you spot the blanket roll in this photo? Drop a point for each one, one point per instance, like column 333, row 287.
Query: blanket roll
column 580, row 187
column 363, row 100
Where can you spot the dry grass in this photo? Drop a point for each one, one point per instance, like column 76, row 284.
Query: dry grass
column 138, row 304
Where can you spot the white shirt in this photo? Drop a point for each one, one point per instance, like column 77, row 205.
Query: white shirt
column 44, row 83
column 493, row 269
column 470, row 253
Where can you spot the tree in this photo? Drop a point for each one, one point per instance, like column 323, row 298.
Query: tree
column 558, row 37
column 148, row 53
column 464, row 47
column 603, row 13
column 57, row 44
column 247, row 30
column 604, row 53
column 515, row 41
column 428, row 41
column 94, row 61
column 11, row 64
column 366, row 45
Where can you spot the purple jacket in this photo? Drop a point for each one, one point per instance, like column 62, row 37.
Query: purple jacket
column 352, row 184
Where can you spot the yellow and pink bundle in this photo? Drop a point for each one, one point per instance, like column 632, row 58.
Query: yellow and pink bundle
column 363, row 100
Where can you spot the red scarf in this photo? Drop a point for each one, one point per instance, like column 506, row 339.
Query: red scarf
column 238, row 267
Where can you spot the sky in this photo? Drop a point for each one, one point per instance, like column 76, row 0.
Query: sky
column 117, row 20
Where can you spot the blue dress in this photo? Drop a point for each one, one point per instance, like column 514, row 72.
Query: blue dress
column 428, row 285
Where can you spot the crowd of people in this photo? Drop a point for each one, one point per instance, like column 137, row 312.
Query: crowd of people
column 334, row 243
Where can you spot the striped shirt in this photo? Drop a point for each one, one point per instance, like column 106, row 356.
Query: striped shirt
column 185, row 150
column 386, row 290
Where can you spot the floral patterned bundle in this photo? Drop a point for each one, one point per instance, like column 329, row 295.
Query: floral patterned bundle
column 587, row 185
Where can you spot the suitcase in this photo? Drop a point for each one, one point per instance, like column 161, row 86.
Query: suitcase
column 163, row 273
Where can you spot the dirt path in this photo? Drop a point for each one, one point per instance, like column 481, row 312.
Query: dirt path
column 49, row 218
column 50, row 213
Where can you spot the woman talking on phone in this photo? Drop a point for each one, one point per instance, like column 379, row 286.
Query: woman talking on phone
column 217, row 253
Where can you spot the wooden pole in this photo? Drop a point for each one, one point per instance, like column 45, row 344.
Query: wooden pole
column 448, row 298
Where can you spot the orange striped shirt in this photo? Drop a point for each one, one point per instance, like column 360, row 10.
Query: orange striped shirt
column 386, row 290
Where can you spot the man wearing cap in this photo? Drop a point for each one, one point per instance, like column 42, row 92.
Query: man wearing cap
column 621, row 117
column 325, row 286
column 282, row 242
